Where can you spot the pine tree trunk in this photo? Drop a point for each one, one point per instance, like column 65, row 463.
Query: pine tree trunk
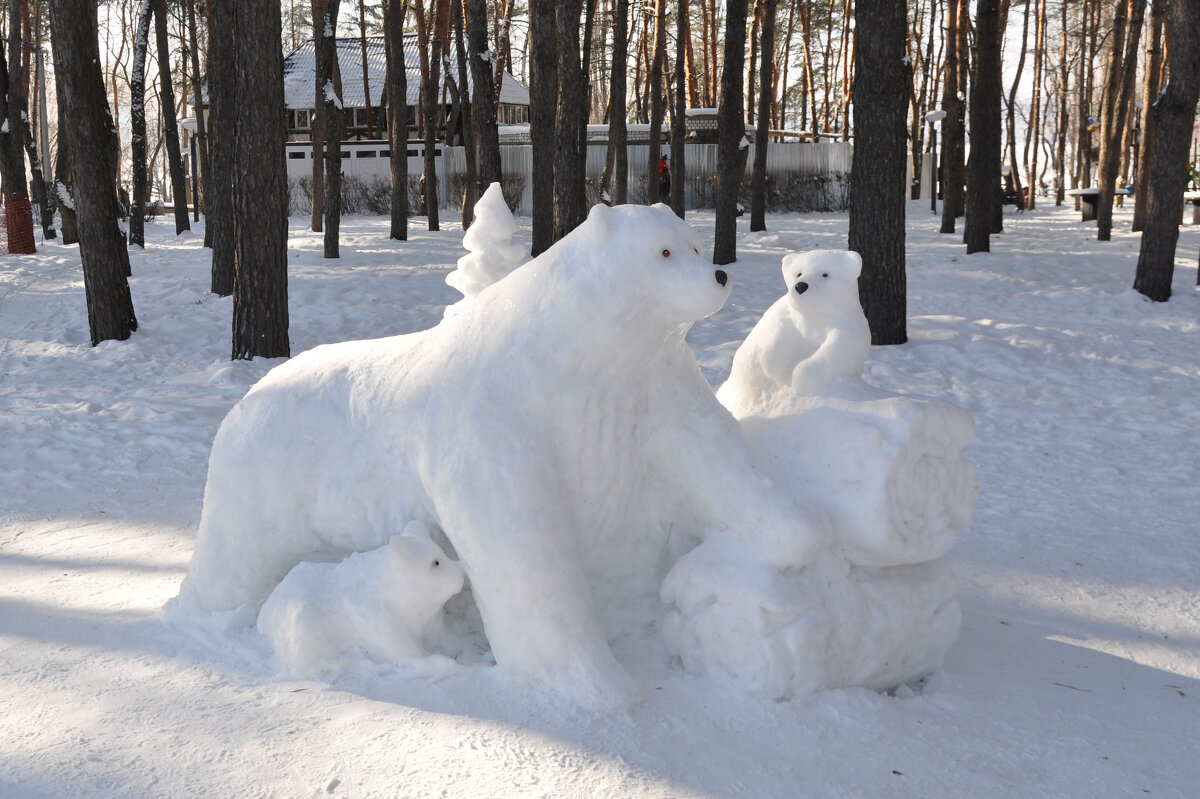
column 222, row 99
column 758, row 180
column 484, row 96
column 461, row 89
column 397, row 102
column 655, row 81
column 170, row 125
column 330, row 96
column 1174, row 115
column 878, row 175
column 954, row 125
column 617, row 123
column 201, row 133
column 570, row 159
column 731, row 134
column 137, row 127
column 317, row 124
column 678, row 126
column 18, row 213
column 983, row 165
column 1150, row 90
column 90, row 141
column 543, row 105
column 259, row 132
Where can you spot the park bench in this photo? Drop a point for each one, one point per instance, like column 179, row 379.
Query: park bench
column 1089, row 198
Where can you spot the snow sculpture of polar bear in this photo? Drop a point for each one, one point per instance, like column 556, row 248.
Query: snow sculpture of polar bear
column 386, row 603
column 557, row 430
column 879, row 607
column 810, row 337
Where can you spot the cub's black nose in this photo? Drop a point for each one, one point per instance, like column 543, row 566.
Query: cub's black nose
column 722, row 278
column 801, row 287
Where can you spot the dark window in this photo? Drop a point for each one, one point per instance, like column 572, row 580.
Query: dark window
column 385, row 153
column 345, row 153
column 413, row 153
column 365, row 154
column 297, row 154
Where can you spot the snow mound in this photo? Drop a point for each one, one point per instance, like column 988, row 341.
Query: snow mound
column 493, row 250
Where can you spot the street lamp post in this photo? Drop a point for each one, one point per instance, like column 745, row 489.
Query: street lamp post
column 189, row 124
column 934, row 117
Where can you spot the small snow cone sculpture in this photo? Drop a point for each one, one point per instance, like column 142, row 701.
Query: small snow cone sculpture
column 492, row 251
column 386, row 603
column 879, row 608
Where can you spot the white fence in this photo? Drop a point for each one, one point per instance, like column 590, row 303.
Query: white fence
column 800, row 175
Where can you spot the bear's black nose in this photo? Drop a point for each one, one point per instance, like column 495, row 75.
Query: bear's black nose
column 801, row 287
column 722, row 278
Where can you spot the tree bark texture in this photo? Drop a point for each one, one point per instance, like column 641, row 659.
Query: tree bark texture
column 543, row 105
column 570, row 155
column 329, row 94
column 617, row 122
column 878, row 179
column 260, row 194
column 17, row 211
column 1174, row 115
column 222, row 99
column 678, row 126
column 170, row 125
column 397, row 94
column 731, row 134
column 954, row 135
column 766, row 94
column 983, row 165
column 1118, row 96
column 657, row 111
column 1150, row 90
column 140, row 196
column 90, row 141
column 484, row 95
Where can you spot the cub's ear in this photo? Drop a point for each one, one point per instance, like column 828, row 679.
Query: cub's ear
column 856, row 262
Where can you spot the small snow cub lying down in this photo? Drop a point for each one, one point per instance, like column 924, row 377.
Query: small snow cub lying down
column 557, row 430
column 386, row 603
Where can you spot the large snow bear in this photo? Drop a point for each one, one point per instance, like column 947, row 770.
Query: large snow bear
column 557, row 430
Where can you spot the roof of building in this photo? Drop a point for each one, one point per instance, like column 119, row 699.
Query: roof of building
column 300, row 68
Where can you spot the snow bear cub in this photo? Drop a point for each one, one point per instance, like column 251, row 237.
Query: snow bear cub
column 812, row 336
column 386, row 604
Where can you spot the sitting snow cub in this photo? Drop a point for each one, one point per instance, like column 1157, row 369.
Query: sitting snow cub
column 809, row 338
column 386, row 604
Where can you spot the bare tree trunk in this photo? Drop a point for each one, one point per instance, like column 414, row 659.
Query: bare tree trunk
column 17, row 211
column 678, row 126
column 543, row 104
column 1112, row 138
column 461, row 91
column 1011, row 104
column 137, row 124
column 983, row 166
column 170, row 124
column 655, row 81
column 201, row 132
column 569, row 156
column 329, row 95
column 1174, row 115
column 1150, row 88
column 317, row 124
column 484, row 96
column 397, row 102
column 362, row 34
column 954, row 125
column 1034, row 133
column 260, row 308
column 731, row 134
column 90, row 141
column 617, row 122
column 222, row 98
column 758, row 181
column 1060, row 135
column 877, row 176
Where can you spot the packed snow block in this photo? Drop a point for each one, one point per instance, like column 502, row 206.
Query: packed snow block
column 828, row 625
column 889, row 470
column 385, row 604
column 557, row 430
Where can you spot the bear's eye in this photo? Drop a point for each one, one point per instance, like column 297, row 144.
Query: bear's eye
column 666, row 253
column 824, row 274
column 437, row 563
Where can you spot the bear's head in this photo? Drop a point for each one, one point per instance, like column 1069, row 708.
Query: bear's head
column 823, row 281
column 420, row 578
column 653, row 259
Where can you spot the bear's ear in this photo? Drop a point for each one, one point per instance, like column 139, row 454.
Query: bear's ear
column 599, row 218
column 854, row 262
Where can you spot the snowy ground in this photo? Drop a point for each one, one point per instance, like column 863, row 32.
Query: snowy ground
column 1077, row 673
